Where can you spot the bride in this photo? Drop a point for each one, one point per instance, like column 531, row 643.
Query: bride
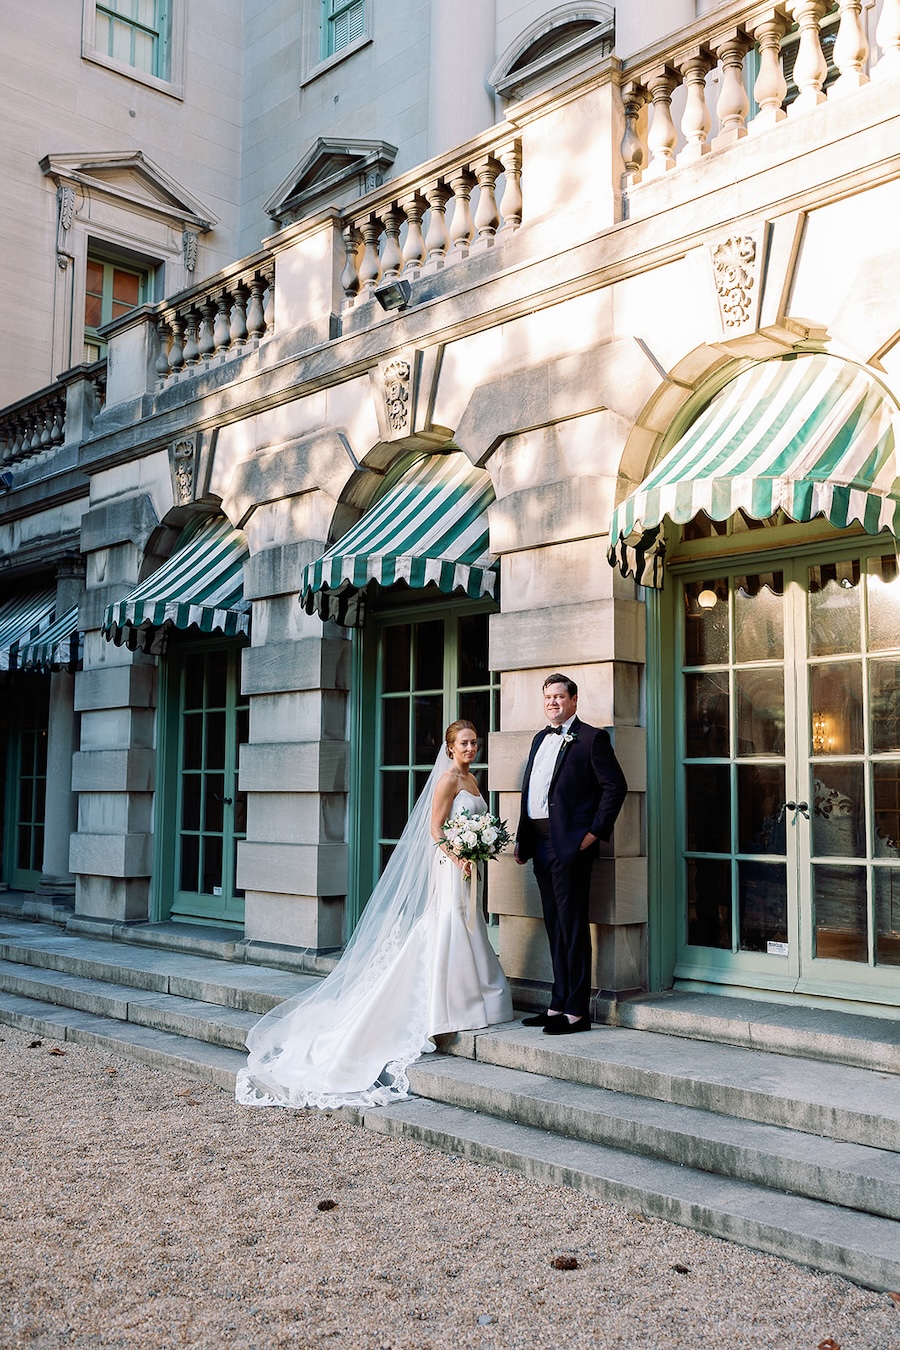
column 418, row 965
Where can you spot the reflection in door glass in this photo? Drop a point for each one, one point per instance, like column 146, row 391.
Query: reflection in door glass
column 759, row 617
column 836, row 708
column 709, row 902
column 706, row 623
column 884, row 701
column 840, row 912
column 838, row 811
column 707, row 715
column 759, row 693
column 887, row 916
column 761, row 820
column 834, row 608
column 883, row 602
column 762, row 904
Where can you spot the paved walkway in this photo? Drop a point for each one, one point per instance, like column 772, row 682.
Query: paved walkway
column 142, row 1210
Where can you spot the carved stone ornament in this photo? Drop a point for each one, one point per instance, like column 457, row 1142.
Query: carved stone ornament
column 181, row 459
column 65, row 200
column 189, row 249
column 735, row 264
column 397, row 375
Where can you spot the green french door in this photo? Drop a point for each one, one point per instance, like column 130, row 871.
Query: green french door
column 204, row 812
column 788, row 816
column 25, row 734
column 422, row 668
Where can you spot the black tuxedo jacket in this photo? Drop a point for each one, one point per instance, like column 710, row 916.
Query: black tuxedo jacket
column 586, row 793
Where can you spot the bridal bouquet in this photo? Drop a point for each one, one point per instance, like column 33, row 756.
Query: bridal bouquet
column 476, row 837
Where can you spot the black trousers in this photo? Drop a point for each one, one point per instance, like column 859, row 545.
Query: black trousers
column 564, row 889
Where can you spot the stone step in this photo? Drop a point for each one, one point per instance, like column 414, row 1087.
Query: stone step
column 160, row 1049
column 862, row 1247
column 199, row 1020
column 819, row 1033
column 251, row 988
column 832, row 1100
column 849, row 1175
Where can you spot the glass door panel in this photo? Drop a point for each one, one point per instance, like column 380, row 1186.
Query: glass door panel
column 790, row 747
column 210, row 812
column 26, row 782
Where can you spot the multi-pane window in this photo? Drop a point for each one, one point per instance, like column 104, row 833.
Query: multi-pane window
column 134, row 32
column 111, row 290
column 344, row 22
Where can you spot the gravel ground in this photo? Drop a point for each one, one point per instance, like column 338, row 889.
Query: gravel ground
column 140, row 1209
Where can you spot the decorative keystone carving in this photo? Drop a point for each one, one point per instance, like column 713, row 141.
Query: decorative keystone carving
column 182, row 458
column 735, row 264
column 397, row 391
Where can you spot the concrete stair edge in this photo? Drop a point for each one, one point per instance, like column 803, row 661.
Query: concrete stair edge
column 859, row 1247
column 850, row 1175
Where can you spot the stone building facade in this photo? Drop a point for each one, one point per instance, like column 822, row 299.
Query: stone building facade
column 569, row 341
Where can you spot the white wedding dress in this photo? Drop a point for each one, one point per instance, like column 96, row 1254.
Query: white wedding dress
column 420, row 968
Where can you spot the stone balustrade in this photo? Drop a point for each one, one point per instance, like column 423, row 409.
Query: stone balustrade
column 33, row 429
column 737, row 44
column 424, row 221
column 228, row 314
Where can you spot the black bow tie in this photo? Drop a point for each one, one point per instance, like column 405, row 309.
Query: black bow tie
column 554, row 731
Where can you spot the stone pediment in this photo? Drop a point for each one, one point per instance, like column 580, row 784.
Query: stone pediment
column 130, row 178
column 332, row 173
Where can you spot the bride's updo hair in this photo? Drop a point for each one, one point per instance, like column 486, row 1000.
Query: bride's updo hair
column 453, row 731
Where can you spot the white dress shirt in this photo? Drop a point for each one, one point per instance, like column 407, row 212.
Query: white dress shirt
column 542, row 770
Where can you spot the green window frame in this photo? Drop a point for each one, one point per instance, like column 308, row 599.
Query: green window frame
column 343, row 21
column 135, row 33
column 112, row 288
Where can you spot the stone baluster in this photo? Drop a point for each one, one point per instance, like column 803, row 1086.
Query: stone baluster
column 256, row 318
column 414, row 245
column 770, row 88
column 733, row 104
column 511, row 201
column 487, row 216
column 162, row 360
column 350, row 274
column 6, row 443
column 206, row 342
column 662, row 136
column 238, row 327
column 634, row 97
column 45, row 423
column 437, row 236
column 462, row 227
column 392, row 255
column 176, row 348
column 810, row 67
column 222, row 325
column 887, row 35
column 58, row 429
column 851, row 50
column 370, row 267
column 697, row 119
column 191, row 347
column 269, row 305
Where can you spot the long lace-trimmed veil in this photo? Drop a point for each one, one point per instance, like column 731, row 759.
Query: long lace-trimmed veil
column 290, row 1047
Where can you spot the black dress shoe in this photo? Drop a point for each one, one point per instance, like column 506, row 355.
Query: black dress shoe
column 540, row 1019
column 561, row 1026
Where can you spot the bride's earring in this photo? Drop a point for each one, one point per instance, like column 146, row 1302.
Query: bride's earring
column 449, row 751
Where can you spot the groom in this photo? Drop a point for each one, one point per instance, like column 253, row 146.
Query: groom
column 571, row 794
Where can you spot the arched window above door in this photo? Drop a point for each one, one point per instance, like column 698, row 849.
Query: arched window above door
column 553, row 46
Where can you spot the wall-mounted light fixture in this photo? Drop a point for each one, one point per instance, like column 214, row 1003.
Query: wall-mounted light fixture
column 707, row 599
column 393, row 294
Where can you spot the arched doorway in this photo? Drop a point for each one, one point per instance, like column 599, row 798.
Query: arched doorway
column 778, row 686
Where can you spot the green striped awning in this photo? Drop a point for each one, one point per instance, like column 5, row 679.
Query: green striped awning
column 201, row 585
column 23, row 617
column 429, row 528
column 56, row 648
column 809, row 434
